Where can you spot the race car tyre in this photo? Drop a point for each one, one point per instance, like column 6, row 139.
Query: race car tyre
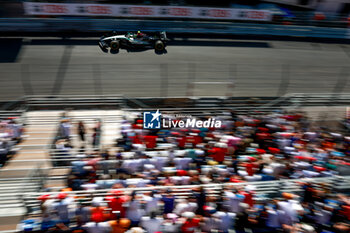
column 114, row 45
column 159, row 45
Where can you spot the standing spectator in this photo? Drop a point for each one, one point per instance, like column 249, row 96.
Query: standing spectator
column 134, row 212
column 96, row 135
column 62, row 209
column 82, row 214
column 151, row 224
column 65, row 129
column 201, row 199
column 169, row 202
column 81, row 131
column 151, row 202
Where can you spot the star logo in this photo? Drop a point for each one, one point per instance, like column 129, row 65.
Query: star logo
column 151, row 120
column 155, row 115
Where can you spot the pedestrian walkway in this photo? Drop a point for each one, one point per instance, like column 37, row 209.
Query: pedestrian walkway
column 32, row 152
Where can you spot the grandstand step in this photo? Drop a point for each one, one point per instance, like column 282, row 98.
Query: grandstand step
column 16, row 163
column 9, row 223
column 14, row 205
column 33, row 147
column 24, row 187
column 7, row 196
column 7, row 212
column 9, row 201
column 15, row 184
column 30, row 155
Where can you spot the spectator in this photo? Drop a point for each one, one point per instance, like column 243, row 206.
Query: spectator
column 81, row 131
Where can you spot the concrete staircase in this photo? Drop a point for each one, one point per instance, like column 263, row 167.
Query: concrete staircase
column 19, row 175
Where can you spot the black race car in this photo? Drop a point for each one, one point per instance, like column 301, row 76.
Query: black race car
column 132, row 41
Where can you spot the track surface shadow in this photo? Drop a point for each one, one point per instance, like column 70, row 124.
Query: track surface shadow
column 9, row 49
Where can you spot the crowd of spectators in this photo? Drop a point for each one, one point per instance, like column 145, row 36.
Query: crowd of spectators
column 259, row 147
column 246, row 148
column 10, row 135
column 86, row 138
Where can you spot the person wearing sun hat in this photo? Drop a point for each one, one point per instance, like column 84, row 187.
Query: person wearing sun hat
column 47, row 211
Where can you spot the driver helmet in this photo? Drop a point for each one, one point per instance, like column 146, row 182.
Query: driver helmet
column 138, row 33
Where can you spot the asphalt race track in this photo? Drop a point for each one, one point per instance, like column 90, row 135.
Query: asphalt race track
column 198, row 67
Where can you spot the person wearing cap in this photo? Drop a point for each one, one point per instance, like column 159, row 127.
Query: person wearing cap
column 209, row 222
column 47, row 220
column 61, row 206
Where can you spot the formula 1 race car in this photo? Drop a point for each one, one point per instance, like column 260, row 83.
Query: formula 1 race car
column 132, row 41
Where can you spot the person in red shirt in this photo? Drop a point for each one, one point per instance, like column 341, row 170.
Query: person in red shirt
column 181, row 142
column 150, row 141
column 117, row 201
column 250, row 168
column 190, row 225
column 99, row 214
column 248, row 197
column 218, row 154
column 135, row 139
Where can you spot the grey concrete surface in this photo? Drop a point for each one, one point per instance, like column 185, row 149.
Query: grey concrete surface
column 49, row 67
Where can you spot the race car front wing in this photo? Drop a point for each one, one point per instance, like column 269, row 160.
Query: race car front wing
column 103, row 46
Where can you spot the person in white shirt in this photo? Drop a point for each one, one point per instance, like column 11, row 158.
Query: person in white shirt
column 209, row 223
column 151, row 224
column 226, row 220
column 134, row 212
column 182, row 163
column 233, row 201
column 185, row 206
column 62, row 207
column 151, row 202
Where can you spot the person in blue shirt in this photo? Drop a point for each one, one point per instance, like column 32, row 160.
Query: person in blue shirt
column 168, row 200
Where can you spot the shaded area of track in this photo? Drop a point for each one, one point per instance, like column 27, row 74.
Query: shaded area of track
column 191, row 67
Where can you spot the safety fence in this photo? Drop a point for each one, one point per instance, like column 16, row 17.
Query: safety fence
column 79, row 27
column 265, row 190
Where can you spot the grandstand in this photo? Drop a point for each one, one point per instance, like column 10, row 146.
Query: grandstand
column 81, row 149
column 33, row 170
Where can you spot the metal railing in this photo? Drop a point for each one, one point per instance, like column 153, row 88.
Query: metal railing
column 332, row 27
column 265, row 190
